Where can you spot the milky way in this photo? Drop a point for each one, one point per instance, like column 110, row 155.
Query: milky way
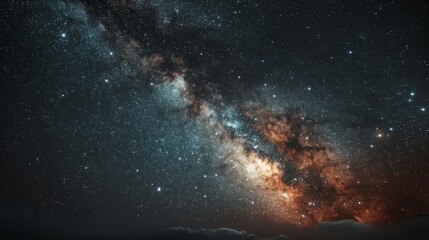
column 323, row 186
column 214, row 112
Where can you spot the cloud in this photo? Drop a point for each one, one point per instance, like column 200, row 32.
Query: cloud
column 348, row 229
column 209, row 234
column 336, row 230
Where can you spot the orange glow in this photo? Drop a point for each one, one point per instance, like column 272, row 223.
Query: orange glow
column 325, row 189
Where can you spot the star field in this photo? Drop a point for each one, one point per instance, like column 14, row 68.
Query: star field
column 216, row 112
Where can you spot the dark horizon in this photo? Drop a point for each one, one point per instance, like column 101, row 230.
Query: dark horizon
column 49, row 226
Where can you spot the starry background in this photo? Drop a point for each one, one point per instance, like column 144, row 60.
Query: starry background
column 91, row 128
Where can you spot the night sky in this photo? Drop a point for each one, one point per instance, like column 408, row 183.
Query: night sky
column 215, row 113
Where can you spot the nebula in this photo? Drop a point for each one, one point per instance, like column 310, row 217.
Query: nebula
column 325, row 187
